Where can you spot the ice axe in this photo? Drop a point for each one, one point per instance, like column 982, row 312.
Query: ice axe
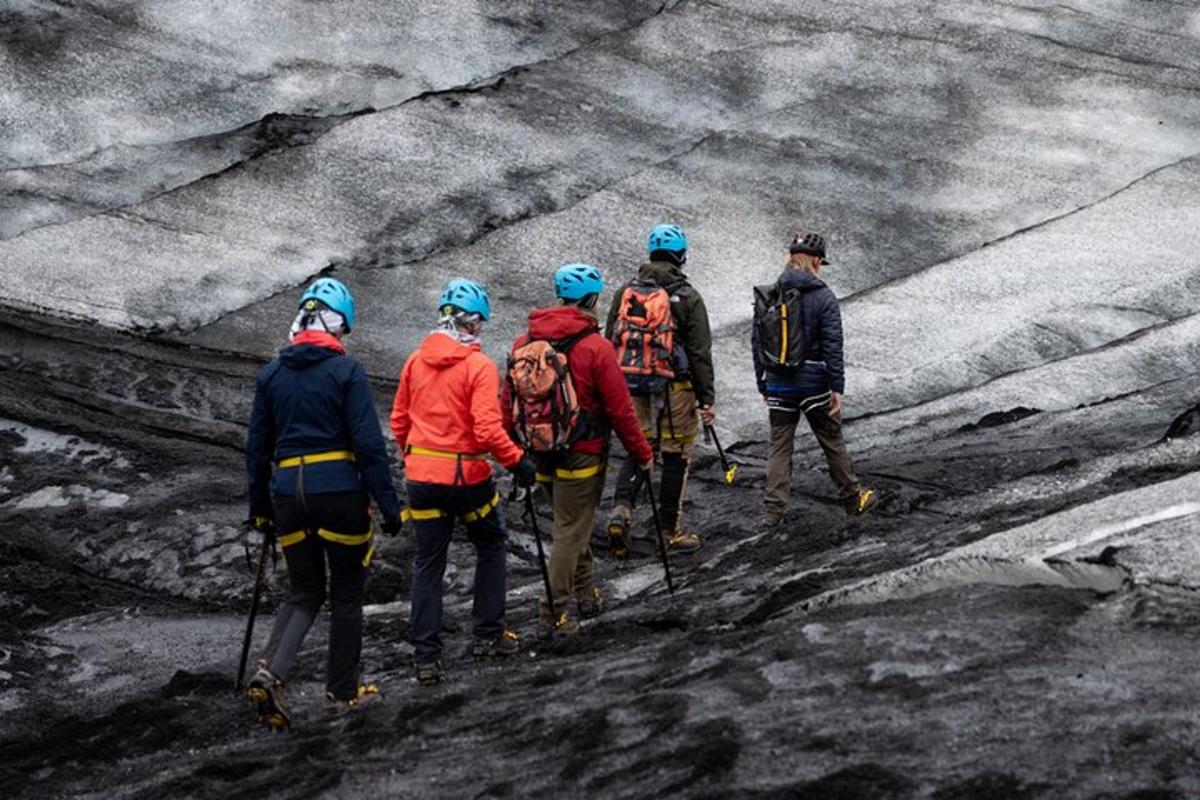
column 710, row 434
column 268, row 540
column 662, row 545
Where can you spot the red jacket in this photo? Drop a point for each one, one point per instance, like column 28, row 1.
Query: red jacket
column 599, row 383
column 446, row 401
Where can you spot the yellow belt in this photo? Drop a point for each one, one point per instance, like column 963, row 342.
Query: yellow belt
column 316, row 458
column 289, row 539
column 571, row 474
column 410, row 514
column 681, row 386
column 425, row 451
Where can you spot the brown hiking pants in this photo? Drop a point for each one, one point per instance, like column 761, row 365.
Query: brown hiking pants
column 784, row 418
column 573, row 484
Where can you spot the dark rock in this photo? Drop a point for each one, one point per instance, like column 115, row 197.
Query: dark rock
column 997, row 418
column 1186, row 424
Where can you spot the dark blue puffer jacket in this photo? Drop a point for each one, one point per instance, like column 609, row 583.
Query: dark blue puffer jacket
column 313, row 399
column 824, row 369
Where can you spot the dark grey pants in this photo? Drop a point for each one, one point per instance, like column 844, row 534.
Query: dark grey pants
column 784, row 417
column 334, row 529
column 478, row 506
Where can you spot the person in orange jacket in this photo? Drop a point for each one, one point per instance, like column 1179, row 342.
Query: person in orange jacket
column 446, row 420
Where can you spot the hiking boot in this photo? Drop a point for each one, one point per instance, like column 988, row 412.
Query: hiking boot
column 618, row 536
column 266, row 692
column 563, row 626
column 862, row 503
column 771, row 520
column 681, row 542
column 429, row 673
column 506, row 644
column 367, row 694
column 590, row 604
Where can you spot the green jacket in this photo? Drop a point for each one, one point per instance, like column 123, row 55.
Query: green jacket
column 691, row 324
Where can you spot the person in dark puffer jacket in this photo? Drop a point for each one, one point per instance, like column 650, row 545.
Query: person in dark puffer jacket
column 814, row 391
column 314, row 450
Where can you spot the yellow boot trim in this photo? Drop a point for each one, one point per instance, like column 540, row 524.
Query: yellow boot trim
column 289, row 539
column 316, row 458
column 410, row 514
column 426, row 451
column 342, row 538
column 483, row 510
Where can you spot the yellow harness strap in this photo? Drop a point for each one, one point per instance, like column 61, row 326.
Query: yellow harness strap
column 571, row 474
column 410, row 514
column 483, row 510
column 289, row 539
column 681, row 386
column 316, row 458
column 347, row 539
column 425, row 451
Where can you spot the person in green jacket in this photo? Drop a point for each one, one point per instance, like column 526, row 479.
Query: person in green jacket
column 671, row 399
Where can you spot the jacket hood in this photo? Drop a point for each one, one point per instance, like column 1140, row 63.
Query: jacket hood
column 303, row 356
column 800, row 279
column 560, row 322
column 441, row 351
column 662, row 273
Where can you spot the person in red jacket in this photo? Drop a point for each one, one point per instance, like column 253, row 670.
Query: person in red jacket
column 574, row 480
column 446, row 422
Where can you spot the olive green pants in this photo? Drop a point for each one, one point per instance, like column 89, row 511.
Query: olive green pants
column 828, row 430
column 573, row 483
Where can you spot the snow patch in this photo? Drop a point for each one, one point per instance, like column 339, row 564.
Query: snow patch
column 43, row 441
column 59, row 496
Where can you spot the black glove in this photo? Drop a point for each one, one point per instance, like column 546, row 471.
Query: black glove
column 525, row 473
column 392, row 526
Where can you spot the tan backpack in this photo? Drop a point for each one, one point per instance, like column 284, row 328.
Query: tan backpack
column 545, row 410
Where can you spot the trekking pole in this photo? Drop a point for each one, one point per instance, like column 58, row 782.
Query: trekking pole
column 662, row 546
column 268, row 539
column 730, row 470
column 537, row 537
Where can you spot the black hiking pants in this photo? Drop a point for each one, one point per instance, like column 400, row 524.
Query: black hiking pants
column 334, row 530
column 435, row 508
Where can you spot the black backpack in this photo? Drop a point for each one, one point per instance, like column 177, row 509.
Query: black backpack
column 779, row 325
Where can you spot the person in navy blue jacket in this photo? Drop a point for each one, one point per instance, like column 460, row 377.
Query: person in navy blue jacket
column 814, row 391
column 314, row 450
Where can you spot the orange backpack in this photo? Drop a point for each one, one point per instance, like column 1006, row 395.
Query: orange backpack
column 644, row 337
column 545, row 410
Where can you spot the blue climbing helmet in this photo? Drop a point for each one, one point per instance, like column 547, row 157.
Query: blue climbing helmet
column 577, row 281
column 334, row 294
column 667, row 237
column 466, row 295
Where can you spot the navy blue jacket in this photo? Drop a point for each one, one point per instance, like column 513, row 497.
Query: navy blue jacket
column 823, row 370
column 312, row 399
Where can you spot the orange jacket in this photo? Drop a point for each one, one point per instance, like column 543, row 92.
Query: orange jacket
column 448, row 400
